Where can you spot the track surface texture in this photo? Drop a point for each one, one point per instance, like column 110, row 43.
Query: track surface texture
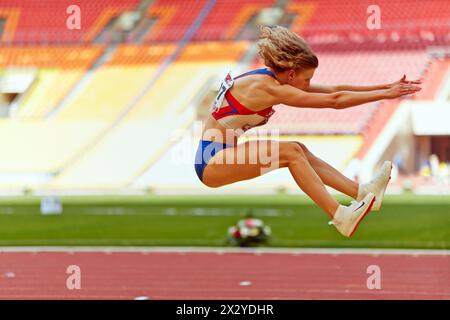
column 221, row 274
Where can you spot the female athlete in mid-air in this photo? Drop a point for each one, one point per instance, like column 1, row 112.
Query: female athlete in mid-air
column 246, row 101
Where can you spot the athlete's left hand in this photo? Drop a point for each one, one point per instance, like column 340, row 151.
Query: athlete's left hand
column 403, row 80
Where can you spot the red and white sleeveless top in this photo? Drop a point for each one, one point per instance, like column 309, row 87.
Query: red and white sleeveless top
column 235, row 115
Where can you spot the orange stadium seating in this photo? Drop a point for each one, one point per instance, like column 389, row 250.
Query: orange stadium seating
column 58, row 69
column 140, row 55
column 48, row 57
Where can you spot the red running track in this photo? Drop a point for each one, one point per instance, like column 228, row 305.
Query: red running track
column 216, row 275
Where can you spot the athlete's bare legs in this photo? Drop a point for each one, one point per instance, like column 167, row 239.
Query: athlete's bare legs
column 224, row 168
column 330, row 176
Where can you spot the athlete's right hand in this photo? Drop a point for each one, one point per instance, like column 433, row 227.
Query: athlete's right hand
column 402, row 89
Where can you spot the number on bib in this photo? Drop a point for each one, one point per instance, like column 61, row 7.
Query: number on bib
column 226, row 84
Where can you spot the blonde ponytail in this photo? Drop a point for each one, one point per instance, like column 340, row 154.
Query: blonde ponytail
column 282, row 49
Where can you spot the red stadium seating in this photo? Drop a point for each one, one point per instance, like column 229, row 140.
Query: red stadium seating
column 330, row 21
column 362, row 68
column 174, row 17
column 31, row 21
column 319, row 21
column 151, row 84
column 228, row 17
column 432, row 78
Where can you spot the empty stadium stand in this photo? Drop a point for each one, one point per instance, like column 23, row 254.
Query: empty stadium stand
column 172, row 18
column 344, row 23
column 228, row 17
column 30, row 21
column 58, row 70
column 109, row 82
column 150, row 126
column 102, row 114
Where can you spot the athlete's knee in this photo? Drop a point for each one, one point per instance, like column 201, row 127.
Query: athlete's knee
column 302, row 146
column 292, row 151
column 307, row 154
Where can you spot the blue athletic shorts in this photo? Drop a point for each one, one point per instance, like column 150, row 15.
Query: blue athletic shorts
column 205, row 151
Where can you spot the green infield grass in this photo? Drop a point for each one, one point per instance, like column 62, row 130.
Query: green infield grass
column 407, row 221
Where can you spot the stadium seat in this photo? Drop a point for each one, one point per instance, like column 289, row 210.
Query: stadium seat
column 29, row 21
column 58, row 69
column 136, row 142
column 336, row 21
column 104, row 97
column 362, row 68
column 228, row 17
column 173, row 18
column 35, row 146
column 108, row 116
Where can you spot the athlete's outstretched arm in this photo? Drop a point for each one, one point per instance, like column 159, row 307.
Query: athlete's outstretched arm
column 318, row 88
column 291, row 96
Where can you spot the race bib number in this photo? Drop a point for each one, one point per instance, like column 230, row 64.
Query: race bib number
column 226, row 84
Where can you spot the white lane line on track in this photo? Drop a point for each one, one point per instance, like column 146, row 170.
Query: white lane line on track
column 254, row 251
column 9, row 275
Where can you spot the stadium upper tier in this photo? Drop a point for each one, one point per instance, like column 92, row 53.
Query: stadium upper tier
column 319, row 21
column 30, row 21
column 227, row 18
column 172, row 18
column 350, row 16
